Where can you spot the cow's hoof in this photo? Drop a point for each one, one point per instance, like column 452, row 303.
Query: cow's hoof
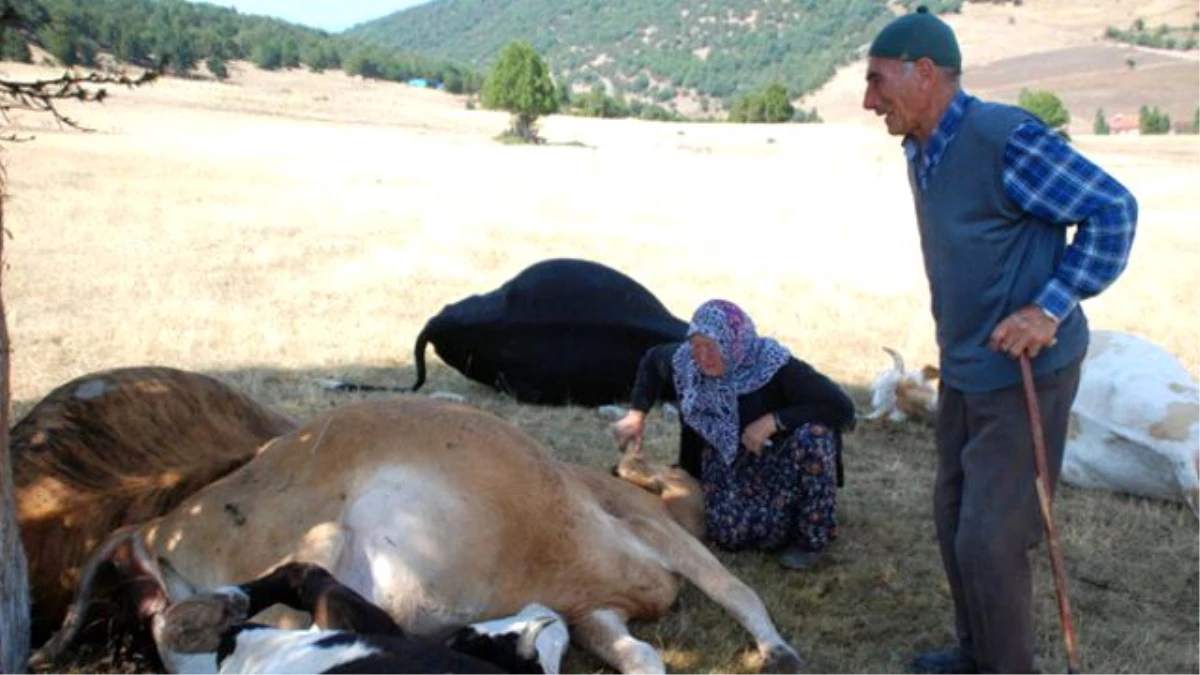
column 783, row 659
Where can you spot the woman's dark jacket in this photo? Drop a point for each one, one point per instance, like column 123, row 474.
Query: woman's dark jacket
column 797, row 392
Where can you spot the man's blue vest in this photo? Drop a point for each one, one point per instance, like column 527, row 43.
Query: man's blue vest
column 985, row 257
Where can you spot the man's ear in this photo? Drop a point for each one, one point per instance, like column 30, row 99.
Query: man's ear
column 927, row 72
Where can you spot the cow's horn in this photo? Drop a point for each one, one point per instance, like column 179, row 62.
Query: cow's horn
column 527, row 644
column 896, row 358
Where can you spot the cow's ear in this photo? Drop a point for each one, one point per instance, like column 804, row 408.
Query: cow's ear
column 141, row 580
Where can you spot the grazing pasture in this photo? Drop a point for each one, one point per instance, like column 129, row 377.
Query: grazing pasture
column 290, row 226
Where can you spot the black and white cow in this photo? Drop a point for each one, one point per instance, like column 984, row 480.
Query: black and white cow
column 209, row 632
column 256, row 648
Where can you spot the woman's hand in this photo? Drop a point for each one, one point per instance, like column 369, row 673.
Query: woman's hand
column 628, row 430
column 758, row 434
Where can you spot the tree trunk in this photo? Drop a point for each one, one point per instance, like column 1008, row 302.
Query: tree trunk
column 14, row 574
column 522, row 127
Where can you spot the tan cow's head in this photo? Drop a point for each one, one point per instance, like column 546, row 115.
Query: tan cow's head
column 679, row 491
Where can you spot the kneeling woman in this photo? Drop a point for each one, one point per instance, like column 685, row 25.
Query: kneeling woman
column 761, row 431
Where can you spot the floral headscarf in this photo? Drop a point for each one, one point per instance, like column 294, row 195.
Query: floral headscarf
column 709, row 404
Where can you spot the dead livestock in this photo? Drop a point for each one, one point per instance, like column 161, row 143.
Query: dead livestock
column 211, row 632
column 442, row 515
column 898, row 393
column 562, row 331
column 118, row 447
column 1135, row 423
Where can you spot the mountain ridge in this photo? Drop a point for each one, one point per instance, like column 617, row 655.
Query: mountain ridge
column 654, row 50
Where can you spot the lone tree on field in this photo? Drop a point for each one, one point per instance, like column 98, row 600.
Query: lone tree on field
column 38, row 96
column 1047, row 106
column 520, row 83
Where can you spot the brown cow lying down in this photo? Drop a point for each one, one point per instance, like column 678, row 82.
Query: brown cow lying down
column 119, row 447
column 442, row 515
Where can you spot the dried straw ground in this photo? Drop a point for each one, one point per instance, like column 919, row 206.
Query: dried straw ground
column 290, row 226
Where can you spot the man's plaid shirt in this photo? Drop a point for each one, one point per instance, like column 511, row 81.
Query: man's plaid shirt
column 1047, row 178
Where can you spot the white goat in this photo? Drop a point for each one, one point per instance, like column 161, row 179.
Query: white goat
column 900, row 394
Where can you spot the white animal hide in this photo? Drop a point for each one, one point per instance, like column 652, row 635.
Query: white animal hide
column 1135, row 424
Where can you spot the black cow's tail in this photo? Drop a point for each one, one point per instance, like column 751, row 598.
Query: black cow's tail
column 419, row 357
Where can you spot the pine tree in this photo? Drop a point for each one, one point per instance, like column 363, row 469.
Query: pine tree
column 520, row 83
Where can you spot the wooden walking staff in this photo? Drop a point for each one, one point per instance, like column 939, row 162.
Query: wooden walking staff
column 1042, row 481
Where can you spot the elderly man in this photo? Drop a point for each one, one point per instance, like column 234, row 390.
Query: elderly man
column 995, row 191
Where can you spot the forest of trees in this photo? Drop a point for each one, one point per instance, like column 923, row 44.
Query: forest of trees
column 1161, row 37
column 648, row 50
column 177, row 37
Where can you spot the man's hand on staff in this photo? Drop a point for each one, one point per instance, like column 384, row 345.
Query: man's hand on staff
column 1027, row 331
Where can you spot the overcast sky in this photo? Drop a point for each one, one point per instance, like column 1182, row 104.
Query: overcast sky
column 330, row 15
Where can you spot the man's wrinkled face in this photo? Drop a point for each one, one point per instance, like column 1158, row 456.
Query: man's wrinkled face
column 894, row 92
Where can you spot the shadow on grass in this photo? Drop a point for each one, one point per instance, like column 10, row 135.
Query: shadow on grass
column 879, row 594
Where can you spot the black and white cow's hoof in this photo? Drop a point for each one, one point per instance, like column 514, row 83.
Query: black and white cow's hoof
column 783, row 659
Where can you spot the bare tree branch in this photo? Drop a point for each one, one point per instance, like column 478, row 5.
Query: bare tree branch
column 39, row 96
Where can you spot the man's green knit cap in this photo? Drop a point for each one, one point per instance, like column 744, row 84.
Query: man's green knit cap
column 919, row 35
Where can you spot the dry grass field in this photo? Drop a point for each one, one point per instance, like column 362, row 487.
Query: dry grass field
column 289, row 226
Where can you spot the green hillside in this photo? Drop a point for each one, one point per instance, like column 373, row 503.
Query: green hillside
column 649, row 49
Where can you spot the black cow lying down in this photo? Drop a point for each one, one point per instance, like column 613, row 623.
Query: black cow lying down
column 562, row 331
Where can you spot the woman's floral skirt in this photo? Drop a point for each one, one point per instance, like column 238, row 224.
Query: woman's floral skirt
column 782, row 496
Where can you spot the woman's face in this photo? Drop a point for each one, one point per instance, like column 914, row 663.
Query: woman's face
column 707, row 355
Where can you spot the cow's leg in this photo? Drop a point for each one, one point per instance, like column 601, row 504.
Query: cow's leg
column 603, row 632
column 689, row 557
